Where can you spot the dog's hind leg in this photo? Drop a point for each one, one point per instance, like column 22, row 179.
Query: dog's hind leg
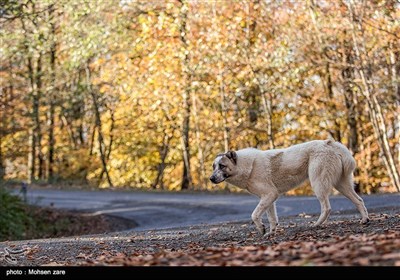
column 324, row 171
column 272, row 218
column 323, row 198
column 345, row 187
column 266, row 201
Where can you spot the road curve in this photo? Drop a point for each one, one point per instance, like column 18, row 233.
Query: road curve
column 166, row 210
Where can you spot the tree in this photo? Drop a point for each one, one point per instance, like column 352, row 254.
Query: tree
column 146, row 93
column 368, row 90
column 186, row 94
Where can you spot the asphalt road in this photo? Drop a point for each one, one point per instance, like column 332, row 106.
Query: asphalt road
column 167, row 210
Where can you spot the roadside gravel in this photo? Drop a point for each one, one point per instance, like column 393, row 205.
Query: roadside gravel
column 228, row 243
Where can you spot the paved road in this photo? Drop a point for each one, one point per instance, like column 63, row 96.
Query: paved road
column 165, row 210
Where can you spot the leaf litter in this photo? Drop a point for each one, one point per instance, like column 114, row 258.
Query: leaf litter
column 342, row 241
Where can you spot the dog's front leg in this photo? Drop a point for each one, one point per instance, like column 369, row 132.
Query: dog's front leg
column 272, row 218
column 266, row 201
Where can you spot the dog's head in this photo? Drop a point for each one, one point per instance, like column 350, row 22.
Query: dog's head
column 224, row 166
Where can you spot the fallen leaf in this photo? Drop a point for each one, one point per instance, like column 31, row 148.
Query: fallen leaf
column 81, row 255
column 52, row 264
column 391, row 256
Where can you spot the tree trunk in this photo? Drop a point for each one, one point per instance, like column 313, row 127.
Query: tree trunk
column 267, row 108
column 186, row 176
column 32, row 136
column 350, row 100
column 110, row 144
column 81, row 134
column 335, row 131
column 395, row 72
column 31, row 157
column 200, row 153
column 93, row 134
column 35, row 137
column 111, row 134
column 266, row 99
column 52, row 97
column 328, row 84
column 2, row 127
column 161, row 166
column 220, row 79
column 36, row 116
column 2, row 167
column 374, row 107
column 100, row 137
column 224, row 108
column 3, row 113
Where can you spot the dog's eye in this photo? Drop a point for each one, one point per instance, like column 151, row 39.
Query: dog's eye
column 221, row 166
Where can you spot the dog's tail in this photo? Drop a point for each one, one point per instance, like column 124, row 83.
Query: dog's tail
column 348, row 162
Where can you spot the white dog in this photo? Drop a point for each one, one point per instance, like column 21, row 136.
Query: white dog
column 268, row 174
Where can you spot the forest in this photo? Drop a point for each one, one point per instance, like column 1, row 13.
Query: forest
column 144, row 94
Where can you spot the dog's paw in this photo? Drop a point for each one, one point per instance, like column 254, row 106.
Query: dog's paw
column 261, row 230
column 365, row 221
column 314, row 225
column 269, row 234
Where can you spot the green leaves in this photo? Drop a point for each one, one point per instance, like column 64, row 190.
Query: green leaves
column 13, row 219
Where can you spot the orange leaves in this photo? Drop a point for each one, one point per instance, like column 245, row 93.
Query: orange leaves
column 338, row 243
column 345, row 251
column 144, row 55
column 334, row 244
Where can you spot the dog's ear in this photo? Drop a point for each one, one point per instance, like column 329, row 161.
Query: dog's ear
column 232, row 156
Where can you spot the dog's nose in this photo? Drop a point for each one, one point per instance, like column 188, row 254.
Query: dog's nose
column 212, row 178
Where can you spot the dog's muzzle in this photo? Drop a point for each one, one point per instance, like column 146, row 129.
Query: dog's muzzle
column 213, row 179
column 218, row 179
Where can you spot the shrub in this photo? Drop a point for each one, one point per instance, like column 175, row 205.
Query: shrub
column 13, row 217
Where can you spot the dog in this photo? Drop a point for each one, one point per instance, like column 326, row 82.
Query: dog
column 269, row 174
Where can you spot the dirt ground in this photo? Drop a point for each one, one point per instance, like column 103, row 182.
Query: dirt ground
column 341, row 241
column 49, row 222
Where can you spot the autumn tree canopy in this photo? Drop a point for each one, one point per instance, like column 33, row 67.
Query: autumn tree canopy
column 146, row 93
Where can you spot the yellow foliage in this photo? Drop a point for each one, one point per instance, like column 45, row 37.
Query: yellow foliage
column 247, row 75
